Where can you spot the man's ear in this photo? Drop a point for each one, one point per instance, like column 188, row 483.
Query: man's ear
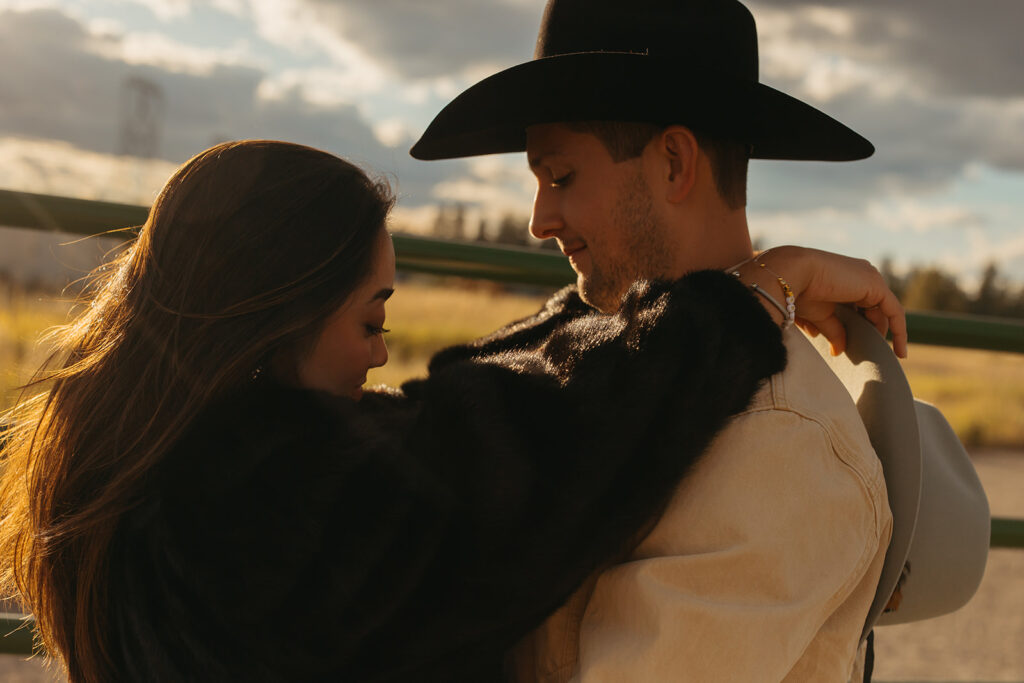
column 677, row 149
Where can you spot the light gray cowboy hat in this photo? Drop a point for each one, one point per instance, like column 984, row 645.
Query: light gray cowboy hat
column 941, row 519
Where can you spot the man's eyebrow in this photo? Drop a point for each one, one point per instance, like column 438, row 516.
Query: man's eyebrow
column 383, row 294
column 538, row 159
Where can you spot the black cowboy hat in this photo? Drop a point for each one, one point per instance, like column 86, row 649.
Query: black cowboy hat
column 688, row 62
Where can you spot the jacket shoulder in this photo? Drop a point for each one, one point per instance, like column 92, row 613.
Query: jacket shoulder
column 808, row 388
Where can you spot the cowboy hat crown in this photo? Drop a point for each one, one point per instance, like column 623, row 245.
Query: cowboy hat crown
column 941, row 520
column 689, row 62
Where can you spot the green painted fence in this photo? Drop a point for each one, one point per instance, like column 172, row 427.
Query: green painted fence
column 472, row 260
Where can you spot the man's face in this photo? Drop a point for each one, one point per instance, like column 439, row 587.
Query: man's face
column 600, row 212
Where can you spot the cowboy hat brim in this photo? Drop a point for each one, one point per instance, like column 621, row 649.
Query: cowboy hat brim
column 940, row 513
column 491, row 117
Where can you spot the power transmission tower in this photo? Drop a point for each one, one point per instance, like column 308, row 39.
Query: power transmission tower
column 142, row 108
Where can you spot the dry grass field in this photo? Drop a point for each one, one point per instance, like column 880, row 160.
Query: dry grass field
column 981, row 393
column 426, row 315
column 24, row 319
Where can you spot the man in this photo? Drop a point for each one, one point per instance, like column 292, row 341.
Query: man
column 638, row 120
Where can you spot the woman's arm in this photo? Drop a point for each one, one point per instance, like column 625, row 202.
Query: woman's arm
column 820, row 280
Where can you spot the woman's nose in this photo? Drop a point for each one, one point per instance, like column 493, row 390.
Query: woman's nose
column 380, row 353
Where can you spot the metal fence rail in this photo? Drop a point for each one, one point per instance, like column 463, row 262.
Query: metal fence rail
column 471, row 260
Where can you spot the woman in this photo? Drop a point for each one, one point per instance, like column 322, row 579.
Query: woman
column 206, row 494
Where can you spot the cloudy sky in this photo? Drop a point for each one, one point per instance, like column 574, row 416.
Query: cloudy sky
column 937, row 85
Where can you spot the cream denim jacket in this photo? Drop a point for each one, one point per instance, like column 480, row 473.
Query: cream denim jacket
column 762, row 567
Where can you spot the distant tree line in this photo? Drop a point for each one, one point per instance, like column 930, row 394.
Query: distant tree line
column 932, row 289
column 450, row 222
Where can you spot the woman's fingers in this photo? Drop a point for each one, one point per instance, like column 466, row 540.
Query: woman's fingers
column 898, row 327
column 834, row 331
column 886, row 313
column 893, row 311
column 858, row 282
column 876, row 318
column 807, row 326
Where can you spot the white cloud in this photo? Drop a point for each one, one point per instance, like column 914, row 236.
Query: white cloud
column 494, row 185
column 155, row 49
column 921, row 216
column 913, row 232
column 984, row 249
column 442, row 87
column 829, row 77
column 417, row 220
column 60, row 168
column 235, row 7
column 420, row 39
column 509, row 171
column 70, row 86
column 324, row 87
column 949, row 46
column 166, row 10
column 393, row 132
column 476, row 191
column 805, row 52
column 25, row 5
column 834, row 20
column 968, row 257
column 802, row 227
column 169, row 10
column 301, row 28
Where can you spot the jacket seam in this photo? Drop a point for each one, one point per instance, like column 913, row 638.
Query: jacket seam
column 841, row 448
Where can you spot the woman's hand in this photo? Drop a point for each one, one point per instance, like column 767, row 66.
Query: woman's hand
column 820, row 280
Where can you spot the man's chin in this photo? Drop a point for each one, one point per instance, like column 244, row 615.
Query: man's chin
column 601, row 298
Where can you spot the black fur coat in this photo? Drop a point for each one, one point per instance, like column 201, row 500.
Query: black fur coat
column 417, row 535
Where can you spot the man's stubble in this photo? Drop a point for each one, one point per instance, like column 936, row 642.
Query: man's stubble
column 643, row 252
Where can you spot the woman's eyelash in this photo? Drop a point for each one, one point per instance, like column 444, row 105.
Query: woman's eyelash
column 374, row 330
column 562, row 180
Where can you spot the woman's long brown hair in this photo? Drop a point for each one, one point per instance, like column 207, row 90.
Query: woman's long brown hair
column 248, row 249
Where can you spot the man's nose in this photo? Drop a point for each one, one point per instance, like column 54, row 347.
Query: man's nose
column 546, row 219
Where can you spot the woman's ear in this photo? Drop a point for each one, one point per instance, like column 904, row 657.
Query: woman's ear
column 677, row 154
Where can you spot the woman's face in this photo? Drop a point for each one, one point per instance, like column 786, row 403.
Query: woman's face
column 352, row 341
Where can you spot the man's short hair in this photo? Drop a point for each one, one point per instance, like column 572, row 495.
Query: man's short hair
column 626, row 140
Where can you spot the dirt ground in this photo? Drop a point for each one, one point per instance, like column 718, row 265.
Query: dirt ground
column 984, row 641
